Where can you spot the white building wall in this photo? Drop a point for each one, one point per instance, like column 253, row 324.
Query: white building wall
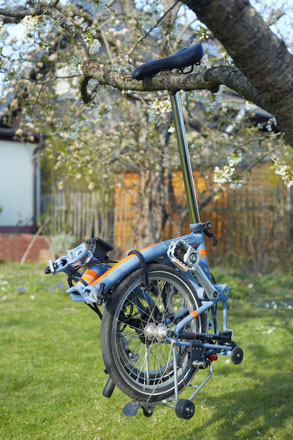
column 16, row 183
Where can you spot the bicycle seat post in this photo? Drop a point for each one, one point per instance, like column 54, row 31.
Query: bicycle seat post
column 184, row 158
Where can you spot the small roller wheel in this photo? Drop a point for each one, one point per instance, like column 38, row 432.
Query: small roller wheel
column 147, row 412
column 237, row 355
column 184, row 409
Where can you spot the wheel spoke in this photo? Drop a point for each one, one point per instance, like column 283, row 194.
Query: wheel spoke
column 146, row 355
column 141, row 356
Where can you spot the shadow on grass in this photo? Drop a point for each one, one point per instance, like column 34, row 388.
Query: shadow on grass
column 257, row 411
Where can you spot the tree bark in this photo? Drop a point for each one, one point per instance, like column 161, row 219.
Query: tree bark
column 151, row 212
column 260, row 55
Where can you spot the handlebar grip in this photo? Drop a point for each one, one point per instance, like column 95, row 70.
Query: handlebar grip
column 47, row 271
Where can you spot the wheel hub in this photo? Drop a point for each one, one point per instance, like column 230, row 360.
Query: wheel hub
column 158, row 332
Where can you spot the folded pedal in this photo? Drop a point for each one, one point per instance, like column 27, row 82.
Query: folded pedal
column 183, row 255
column 187, row 258
column 131, row 408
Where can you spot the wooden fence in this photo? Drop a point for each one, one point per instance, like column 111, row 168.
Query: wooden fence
column 83, row 215
column 256, row 222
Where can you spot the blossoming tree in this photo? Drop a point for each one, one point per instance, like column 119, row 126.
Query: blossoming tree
column 70, row 75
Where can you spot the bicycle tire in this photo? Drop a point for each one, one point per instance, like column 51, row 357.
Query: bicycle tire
column 134, row 359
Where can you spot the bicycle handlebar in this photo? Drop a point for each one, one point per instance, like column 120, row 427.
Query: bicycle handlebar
column 64, row 263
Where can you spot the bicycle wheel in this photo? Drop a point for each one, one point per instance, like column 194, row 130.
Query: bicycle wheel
column 139, row 361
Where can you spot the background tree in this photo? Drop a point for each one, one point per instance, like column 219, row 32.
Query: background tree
column 72, row 46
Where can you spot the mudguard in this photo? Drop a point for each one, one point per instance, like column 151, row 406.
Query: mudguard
column 130, row 263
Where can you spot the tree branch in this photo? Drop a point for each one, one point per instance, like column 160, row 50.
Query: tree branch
column 274, row 17
column 152, row 28
column 256, row 51
column 9, row 20
column 51, row 11
column 265, row 65
column 261, row 159
column 209, row 79
column 54, row 3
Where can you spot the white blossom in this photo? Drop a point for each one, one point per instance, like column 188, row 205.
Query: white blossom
column 249, row 105
column 284, row 170
column 32, row 24
column 95, row 47
column 80, row 21
column 235, row 158
column 3, row 32
column 158, row 110
column 224, row 175
column 271, row 121
column 74, row 67
column 100, row 5
column 227, row 174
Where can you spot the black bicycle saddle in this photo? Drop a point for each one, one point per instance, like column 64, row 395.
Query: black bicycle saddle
column 179, row 60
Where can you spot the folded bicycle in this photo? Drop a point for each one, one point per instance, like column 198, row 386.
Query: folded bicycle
column 159, row 323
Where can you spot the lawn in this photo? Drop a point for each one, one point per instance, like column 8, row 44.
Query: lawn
column 51, row 369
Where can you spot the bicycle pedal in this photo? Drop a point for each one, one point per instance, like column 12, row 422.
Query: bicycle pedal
column 183, row 255
column 131, row 408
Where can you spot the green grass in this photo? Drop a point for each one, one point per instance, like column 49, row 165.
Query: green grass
column 51, row 369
